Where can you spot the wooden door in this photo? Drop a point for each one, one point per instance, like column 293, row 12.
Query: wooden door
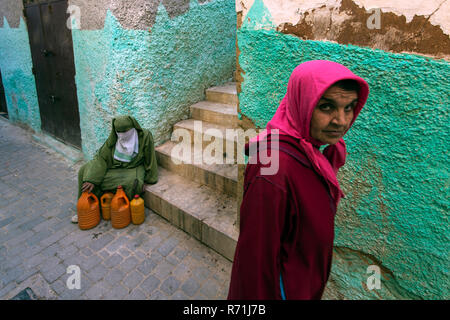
column 54, row 69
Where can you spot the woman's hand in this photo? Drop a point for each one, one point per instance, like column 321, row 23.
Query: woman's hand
column 87, row 186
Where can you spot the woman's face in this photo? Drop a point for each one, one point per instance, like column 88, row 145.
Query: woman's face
column 333, row 114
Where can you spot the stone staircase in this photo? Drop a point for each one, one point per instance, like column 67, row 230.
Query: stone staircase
column 199, row 194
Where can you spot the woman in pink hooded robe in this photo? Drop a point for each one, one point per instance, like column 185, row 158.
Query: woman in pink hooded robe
column 284, row 250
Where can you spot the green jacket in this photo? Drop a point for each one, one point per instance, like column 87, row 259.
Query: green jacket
column 104, row 160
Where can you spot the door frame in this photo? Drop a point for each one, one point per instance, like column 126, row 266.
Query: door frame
column 49, row 123
column 3, row 98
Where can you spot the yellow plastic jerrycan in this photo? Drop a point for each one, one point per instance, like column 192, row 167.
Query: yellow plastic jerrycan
column 137, row 210
column 88, row 211
column 120, row 209
column 105, row 202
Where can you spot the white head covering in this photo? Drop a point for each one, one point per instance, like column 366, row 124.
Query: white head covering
column 127, row 145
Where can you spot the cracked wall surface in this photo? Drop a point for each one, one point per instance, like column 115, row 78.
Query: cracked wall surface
column 288, row 11
column 395, row 214
column 405, row 26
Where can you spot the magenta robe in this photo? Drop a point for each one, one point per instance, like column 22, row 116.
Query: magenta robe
column 286, row 231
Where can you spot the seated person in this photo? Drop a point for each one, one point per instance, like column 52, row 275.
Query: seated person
column 127, row 155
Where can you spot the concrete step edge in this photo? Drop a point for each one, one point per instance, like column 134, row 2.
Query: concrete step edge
column 215, row 107
column 226, row 93
column 227, row 88
column 189, row 124
column 228, row 171
column 215, row 113
column 221, row 177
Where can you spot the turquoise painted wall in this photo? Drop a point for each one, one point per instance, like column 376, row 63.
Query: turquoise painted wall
column 154, row 75
column 396, row 178
column 18, row 80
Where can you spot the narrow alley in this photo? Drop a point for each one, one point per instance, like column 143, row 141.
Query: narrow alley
column 38, row 242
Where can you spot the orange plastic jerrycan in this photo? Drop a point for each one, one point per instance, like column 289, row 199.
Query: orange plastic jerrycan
column 105, row 201
column 137, row 210
column 120, row 209
column 88, row 211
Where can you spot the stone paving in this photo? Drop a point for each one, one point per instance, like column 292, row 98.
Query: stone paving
column 38, row 242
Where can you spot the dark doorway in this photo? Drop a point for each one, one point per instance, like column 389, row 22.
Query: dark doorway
column 53, row 68
column 3, row 108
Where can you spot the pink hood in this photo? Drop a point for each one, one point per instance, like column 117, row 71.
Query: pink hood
column 307, row 84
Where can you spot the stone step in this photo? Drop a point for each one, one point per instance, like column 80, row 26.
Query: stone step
column 202, row 134
column 202, row 212
column 223, row 94
column 196, row 167
column 213, row 112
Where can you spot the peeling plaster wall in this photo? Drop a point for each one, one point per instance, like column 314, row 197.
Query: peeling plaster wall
column 11, row 11
column 154, row 74
column 16, row 66
column 405, row 26
column 396, row 179
column 138, row 15
column 288, row 11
